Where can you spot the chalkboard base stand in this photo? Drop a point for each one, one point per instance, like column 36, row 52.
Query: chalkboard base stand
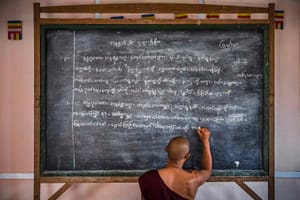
column 248, row 190
column 240, row 183
column 60, row 191
column 69, row 181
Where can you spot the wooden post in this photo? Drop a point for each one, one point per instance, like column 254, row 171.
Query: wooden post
column 271, row 16
column 36, row 192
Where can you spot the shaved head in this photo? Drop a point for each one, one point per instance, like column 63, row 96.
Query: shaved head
column 178, row 148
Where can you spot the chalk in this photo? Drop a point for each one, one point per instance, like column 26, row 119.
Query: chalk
column 237, row 163
column 117, row 17
column 148, row 16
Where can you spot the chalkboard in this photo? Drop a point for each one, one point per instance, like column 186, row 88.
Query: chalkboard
column 113, row 95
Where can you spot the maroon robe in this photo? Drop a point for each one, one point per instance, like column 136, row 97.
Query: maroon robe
column 153, row 187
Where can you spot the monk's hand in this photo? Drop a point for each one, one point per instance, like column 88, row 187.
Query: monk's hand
column 203, row 134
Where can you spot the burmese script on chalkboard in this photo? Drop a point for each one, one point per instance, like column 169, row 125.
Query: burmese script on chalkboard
column 115, row 97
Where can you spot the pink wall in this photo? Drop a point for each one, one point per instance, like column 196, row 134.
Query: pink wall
column 287, row 62
column 16, row 109
column 16, row 81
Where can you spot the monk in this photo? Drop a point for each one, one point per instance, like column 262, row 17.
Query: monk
column 172, row 182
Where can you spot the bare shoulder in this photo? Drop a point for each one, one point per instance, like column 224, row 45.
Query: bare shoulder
column 176, row 172
column 201, row 176
column 170, row 175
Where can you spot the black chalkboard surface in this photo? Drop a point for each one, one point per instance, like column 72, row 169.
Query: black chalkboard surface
column 113, row 95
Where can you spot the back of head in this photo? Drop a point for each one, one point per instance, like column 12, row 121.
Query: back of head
column 178, row 148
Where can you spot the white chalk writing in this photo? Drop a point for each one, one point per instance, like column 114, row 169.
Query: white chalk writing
column 158, row 81
column 246, row 75
column 228, row 44
column 151, row 92
column 164, row 106
column 135, row 69
column 137, row 58
column 113, row 89
column 133, row 125
column 139, row 43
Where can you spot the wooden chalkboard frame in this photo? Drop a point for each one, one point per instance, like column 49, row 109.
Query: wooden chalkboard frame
column 39, row 23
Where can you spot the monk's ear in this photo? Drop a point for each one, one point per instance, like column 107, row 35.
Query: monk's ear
column 187, row 156
column 166, row 148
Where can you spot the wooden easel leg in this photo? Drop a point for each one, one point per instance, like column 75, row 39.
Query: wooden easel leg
column 36, row 190
column 61, row 190
column 271, row 187
column 247, row 189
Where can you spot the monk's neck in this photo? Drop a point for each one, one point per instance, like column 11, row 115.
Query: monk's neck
column 177, row 165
